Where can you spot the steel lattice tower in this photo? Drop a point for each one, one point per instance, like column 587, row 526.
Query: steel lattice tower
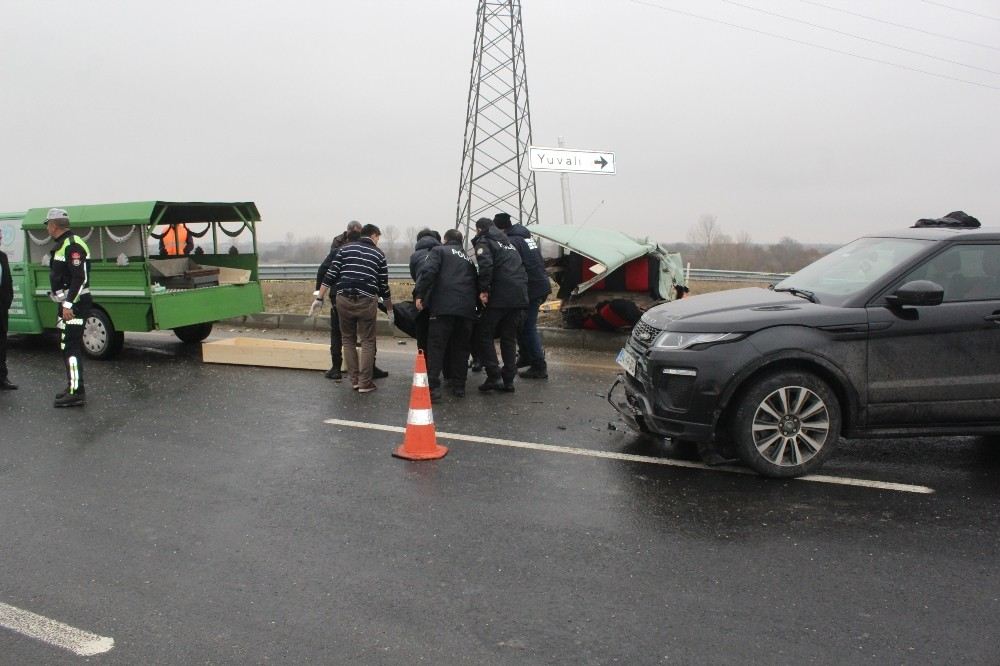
column 495, row 176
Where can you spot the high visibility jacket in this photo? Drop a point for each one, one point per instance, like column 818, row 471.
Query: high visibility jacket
column 176, row 241
column 69, row 267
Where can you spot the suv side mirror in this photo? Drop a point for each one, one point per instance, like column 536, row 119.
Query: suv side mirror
column 917, row 292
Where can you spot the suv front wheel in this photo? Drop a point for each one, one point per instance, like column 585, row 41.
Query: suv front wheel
column 786, row 424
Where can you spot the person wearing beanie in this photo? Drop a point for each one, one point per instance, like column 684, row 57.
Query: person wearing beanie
column 427, row 239
column 503, row 291
column 530, row 354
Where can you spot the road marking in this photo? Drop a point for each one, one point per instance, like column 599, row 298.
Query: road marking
column 631, row 457
column 77, row 641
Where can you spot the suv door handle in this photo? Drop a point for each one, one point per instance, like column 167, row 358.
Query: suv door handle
column 993, row 317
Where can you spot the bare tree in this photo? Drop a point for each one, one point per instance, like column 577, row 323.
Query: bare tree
column 706, row 236
column 390, row 234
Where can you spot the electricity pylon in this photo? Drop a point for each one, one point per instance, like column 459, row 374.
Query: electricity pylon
column 495, row 176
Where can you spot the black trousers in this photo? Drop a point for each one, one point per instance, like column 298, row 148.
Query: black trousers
column 449, row 340
column 423, row 326
column 71, row 343
column 336, row 344
column 3, row 344
column 498, row 323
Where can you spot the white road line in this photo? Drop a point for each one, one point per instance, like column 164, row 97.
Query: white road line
column 631, row 457
column 77, row 641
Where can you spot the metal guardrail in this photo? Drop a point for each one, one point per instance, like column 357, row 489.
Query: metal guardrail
column 402, row 272
column 711, row 275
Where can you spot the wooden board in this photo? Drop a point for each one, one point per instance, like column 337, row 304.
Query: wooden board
column 267, row 353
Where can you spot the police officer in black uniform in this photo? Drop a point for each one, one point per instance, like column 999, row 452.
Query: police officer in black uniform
column 446, row 288
column 503, row 290
column 69, row 277
column 529, row 342
column 427, row 239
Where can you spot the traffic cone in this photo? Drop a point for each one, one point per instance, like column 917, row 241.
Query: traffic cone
column 420, row 441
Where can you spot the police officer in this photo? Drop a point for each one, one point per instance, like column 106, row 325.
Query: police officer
column 427, row 239
column 529, row 342
column 446, row 288
column 69, row 277
column 503, row 290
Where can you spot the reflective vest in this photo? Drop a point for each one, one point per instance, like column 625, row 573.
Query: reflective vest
column 175, row 239
column 60, row 271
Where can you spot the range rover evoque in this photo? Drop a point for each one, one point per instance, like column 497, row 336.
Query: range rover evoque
column 893, row 334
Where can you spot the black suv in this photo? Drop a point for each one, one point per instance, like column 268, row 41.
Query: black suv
column 893, row 334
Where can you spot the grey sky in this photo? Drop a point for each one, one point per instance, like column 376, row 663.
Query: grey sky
column 326, row 111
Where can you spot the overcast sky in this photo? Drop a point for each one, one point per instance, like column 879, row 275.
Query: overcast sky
column 331, row 110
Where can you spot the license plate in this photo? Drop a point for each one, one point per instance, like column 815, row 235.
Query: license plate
column 627, row 361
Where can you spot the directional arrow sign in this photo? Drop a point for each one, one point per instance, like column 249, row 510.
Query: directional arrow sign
column 571, row 161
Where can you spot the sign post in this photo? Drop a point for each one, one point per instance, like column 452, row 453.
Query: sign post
column 564, row 160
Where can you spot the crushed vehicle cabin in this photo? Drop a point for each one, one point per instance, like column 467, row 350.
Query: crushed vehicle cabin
column 133, row 290
column 606, row 278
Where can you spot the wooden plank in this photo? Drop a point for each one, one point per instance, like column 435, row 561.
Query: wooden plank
column 267, row 353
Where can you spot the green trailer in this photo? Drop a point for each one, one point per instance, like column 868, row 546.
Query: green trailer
column 133, row 288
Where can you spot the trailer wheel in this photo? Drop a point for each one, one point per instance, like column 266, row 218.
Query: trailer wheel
column 100, row 339
column 193, row 333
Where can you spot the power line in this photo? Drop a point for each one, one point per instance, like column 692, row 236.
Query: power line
column 899, row 25
column 853, row 36
column 813, row 45
column 959, row 9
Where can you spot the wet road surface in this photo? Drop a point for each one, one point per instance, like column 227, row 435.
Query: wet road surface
column 209, row 514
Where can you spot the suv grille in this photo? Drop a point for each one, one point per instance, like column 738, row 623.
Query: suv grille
column 643, row 334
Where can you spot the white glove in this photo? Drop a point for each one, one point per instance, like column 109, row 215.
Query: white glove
column 392, row 318
column 316, row 294
column 316, row 305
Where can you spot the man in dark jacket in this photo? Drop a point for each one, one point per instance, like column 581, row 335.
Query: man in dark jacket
column 6, row 298
column 427, row 239
column 446, row 289
column 529, row 342
column 503, row 290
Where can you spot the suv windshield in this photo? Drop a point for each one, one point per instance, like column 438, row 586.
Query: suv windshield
column 852, row 268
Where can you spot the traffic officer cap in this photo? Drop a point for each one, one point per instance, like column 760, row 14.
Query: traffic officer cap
column 56, row 214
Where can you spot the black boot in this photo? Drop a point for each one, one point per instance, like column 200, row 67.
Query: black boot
column 537, row 371
column 491, row 384
column 379, row 373
column 6, row 385
column 334, row 373
column 78, row 399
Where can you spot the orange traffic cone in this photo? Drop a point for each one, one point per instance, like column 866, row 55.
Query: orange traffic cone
column 420, row 441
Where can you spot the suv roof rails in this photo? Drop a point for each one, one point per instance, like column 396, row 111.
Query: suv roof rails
column 954, row 220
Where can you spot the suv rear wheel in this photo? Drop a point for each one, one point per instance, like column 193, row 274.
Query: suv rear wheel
column 786, row 424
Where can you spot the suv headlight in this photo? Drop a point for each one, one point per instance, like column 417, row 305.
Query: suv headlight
column 677, row 340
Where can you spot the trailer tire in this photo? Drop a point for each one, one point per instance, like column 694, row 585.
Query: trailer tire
column 100, row 339
column 193, row 333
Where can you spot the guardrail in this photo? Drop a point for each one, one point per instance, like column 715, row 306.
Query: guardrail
column 402, row 272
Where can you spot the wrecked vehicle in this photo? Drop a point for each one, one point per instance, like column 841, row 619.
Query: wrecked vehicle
column 608, row 279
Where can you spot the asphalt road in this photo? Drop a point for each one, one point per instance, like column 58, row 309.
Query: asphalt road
column 208, row 514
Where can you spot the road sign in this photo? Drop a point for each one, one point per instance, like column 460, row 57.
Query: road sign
column 565, row 160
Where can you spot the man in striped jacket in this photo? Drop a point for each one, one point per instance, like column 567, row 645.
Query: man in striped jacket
column 361, row 276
